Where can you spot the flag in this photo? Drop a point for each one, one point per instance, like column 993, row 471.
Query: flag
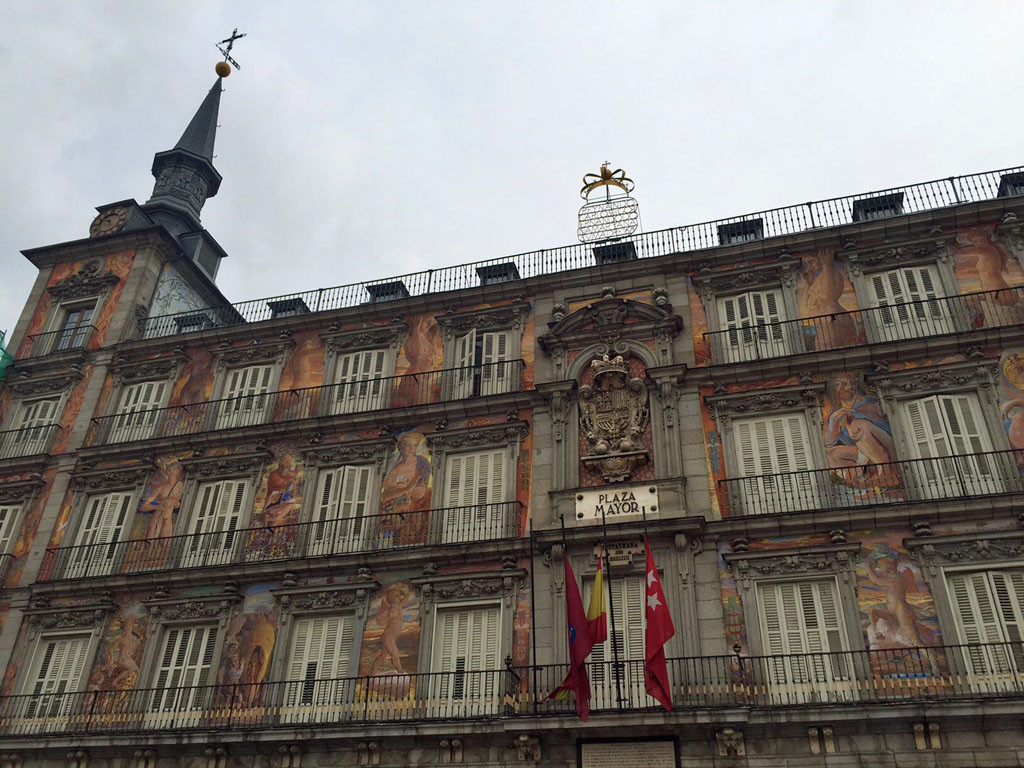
column 659, row 630
column 597, row 612
column 580, row 646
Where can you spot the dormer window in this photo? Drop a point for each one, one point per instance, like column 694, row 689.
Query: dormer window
column 878, row 207
column 610, row 254
column 387, row 291
column 287, row 308
column 492, row 274
column 1011, row 184
column 736, row 232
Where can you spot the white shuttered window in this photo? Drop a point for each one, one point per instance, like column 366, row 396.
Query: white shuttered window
column 467, row 642
column 57, row 670
column 183, row 668
column 10, row 515
column 474, row 496
column 33, row 428
column 482, row 364
column 216, row 516
column 909, row 301
column 320, row 662
column 627, row 594
column 103, row 524
column 137, row 414
column 754, row 321
column 989, row 610
column 340, row 517
column 773, row 457
column 360, row 381
column 245, row 400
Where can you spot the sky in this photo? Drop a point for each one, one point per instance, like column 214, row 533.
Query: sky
column 366, row 139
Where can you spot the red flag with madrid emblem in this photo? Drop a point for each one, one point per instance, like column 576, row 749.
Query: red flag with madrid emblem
column 659, row 629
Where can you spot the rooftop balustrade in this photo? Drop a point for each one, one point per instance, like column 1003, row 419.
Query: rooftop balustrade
column 844, row 678
column 788, row 220
column 895, row 322
column 405, row 391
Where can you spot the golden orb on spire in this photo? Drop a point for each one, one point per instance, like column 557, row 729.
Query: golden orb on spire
column 223, row 69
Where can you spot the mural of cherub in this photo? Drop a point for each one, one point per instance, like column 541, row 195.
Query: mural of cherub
column 390, row 615
column 895, row 625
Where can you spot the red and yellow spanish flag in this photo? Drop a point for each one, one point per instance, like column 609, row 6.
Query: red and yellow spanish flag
column 597, row 611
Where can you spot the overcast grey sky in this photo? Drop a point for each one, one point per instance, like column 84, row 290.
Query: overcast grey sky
column 363, row 139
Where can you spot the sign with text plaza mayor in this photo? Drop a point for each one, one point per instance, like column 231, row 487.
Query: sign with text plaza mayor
column 616, row 503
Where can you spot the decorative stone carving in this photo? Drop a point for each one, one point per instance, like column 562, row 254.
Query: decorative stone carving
column 527, row 748
column 78, row 758
column 610, row 320
column 21, row 490
column 1010, row 234
column 613, row 416
column 724, row 406
column 668, row 398
column 11, row 760
column 926, row 736
column 90, row 280
column 492, row 318
column 507, row 583
column 369, row 337
column 350, row 452
column 478, row 437
column 192, row 608
column 369, row 753
column 91, row 479
column 709, row 282
column 145, row 758
column 257, row 351
column 925, row 380
column 450, row 751
column 860, row 260
column 204, row 467
column 323, row 601
column 829, row 558
column 290, row 755
column 821, row 740
column 730, row 743
column 932, row 552
column 32, row 386
column 165, row 367
column 42, row 616
column 216, row 757
column 558, row 312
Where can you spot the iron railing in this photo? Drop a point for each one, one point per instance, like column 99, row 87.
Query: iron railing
column 60, row 340
column 925, row 674
column 897, row 322
column 403, row 391
column 773, row 223
column 367, row 533
column 870, row 485
column 27, row 441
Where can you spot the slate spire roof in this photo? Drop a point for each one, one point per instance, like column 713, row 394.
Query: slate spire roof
column 201, row 132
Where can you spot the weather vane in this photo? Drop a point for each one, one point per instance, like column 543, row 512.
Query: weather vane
column 610, row 216
column 222, row 67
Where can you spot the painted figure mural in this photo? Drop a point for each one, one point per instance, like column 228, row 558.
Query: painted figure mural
column 822, row 287
column 406, row 489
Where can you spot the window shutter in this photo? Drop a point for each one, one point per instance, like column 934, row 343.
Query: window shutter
column 1008, row 588
column 359, row 380
column 772, row 454
column 495, row 375
column 244, row 395
column 927, row 429
column 320, row 654
column 186, row 660
column 218, row 512
column 964, row 423
column 9, row 514
column 476, row 486
column 137, row 415
column 467, row 640
column 355, row 494
column 465, row 365
column 103, row 524
column 952, row 425
column 801, row 618
column 61, row 665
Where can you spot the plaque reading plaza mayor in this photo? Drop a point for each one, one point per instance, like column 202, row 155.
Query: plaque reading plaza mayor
column 617, row 503
column 625, row 754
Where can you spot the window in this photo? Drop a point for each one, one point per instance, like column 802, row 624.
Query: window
column 803, row 640
column 183, row 667
column 343, row 505
column 56, row 672
column 245, row 400
column 474, row 500
column 359, row 382
column 33, row 429
column 910, row 304
column 216, row 517
column 482, row 364
column 627, row 594
column 9, row 517
column 878, row 207
column 320, row 669
column 774, row 463
column 951, row 445
column 740, row 231
column 137, row 413
column 73, row 326
column 989, row 611
column 754, row 326
column 467, row 673
column 103, row 522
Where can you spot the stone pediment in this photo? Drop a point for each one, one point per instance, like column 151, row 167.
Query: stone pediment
column 610, row 319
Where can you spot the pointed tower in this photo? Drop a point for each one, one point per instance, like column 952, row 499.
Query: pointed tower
column 185, row 176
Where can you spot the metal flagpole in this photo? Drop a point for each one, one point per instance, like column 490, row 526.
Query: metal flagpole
column 533, row 621
column 611, row 608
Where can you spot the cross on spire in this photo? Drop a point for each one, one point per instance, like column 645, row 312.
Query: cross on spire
column 231, row 44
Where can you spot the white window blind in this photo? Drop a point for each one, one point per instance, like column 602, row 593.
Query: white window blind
column 467, row 643
column 32, row 431
column 773, row 456
column 627, row 594
column 103, row 523
column 754, row 324
column 320, row 659
column 9, row 518
column 137, row 414
column 909, row 303
column 245, row 400
column 57, row 670
column 945, row 426
column 482, row 363
column 360, row 382
column 216, row 517
column 474, row 496
column 989, row 609
column 343, row 500
column 183, row 668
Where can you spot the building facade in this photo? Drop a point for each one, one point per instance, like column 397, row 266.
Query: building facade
column 328, row 528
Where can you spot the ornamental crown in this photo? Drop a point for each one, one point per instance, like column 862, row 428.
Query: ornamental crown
column 605, row 365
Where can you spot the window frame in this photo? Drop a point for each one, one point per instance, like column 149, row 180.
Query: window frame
column 269, row 353
column 59, row 316
column 509, row 319
column 80, row 505
column 337, row 343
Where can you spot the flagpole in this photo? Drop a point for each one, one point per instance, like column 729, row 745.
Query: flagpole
column 533, row 622
column 611, row 608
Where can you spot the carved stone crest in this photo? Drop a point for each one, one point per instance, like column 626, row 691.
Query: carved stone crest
column 613, row 415
column 90, row 280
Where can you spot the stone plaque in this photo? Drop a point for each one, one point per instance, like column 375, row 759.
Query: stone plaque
column 626, row 754
column 621, row 552
column 617, row 504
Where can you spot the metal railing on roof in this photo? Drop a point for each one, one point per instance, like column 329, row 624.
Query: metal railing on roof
column 788, row 220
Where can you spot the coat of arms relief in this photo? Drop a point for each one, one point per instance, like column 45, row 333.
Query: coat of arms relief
column 613, row 416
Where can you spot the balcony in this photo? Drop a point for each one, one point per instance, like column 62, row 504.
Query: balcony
column 788, row 220
column 63, row 340
column 28, row 441
column 870, row 485
column 876, row 325
column 697, row 684
column 322, row 538
column 283, row 406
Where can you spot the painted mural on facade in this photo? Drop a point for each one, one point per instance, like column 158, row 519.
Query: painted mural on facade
column 174, row 294
column 30, row 521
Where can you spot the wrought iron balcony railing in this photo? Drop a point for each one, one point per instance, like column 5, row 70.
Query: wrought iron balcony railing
column 869, row 485
column 367, row 533
column 896, row 322
column 891, row 676
column 61, row 340
column 27, row 441
column 773, row 223
column 404, row 391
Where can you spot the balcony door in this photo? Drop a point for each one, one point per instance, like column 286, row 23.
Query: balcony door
column 35, row 421
column 466, row 677
column 57, row 670
column 319, row 685
column 341, row 518
column 908, row 304
column 96, row 542
column 803, row 639
column 359, row 382
column 474, row 497
column 754, row 325
column 138, row 414
column 216, row 517
column 180, row 688
column 74, row 327
column 482, row 365
column 246, row 398
column 989, row 611
column 774, row 462
column 951, row 447
column 608, row 679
